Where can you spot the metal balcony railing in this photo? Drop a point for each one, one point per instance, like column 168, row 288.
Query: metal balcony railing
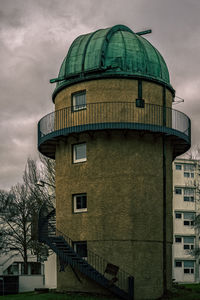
column 114, row 115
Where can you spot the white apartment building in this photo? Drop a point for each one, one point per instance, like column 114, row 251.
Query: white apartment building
column 186, row 205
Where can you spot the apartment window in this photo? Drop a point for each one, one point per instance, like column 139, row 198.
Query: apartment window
column 188, row 243
column 189, row 170
column 178, row 191
column 188, row 195
column 81, row 248
column 188, row 218
column 188, row 198
column 79, row 153
column 178, row 167
column 186, row 174
column 80, row 202
column 178, row 239
column 79, row 100
column 178, row 263
column 178, row 215
column 189, row 167
column 188, row 267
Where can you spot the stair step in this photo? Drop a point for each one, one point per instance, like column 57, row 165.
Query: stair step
column 67, row 254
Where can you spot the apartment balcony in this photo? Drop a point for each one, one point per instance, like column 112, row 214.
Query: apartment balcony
column 114, row 116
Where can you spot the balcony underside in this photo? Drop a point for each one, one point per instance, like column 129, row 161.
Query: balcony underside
column 181, row 140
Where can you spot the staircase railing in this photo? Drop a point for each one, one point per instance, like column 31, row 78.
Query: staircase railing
column 47, row 230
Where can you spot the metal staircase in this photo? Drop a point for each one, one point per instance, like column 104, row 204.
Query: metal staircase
column 93, row 267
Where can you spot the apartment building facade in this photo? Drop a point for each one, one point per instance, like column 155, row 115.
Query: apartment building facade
column 186, row 206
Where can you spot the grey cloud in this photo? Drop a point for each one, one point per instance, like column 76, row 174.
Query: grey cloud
column 34, row 39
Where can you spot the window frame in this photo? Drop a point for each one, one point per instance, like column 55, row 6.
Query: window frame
column 79, row 107
column 188, row 221
column 178, row 264
column 179, row 191
column 188, row 198
column 78, row 160
column 178, row 239
column 188, row 269
column 178, row 167
column 74, row 199
column 80, row 243
column 178, row 214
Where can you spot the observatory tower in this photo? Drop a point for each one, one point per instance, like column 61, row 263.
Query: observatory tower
column 114, row 136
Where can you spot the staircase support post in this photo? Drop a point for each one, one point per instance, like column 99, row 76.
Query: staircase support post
column 130, row 288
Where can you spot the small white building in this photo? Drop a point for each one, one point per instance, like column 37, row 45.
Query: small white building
column 186, row 205
column 11, row 264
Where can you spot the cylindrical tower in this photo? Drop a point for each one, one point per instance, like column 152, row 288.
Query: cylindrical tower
column 114, row 136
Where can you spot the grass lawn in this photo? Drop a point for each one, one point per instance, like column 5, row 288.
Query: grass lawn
column 52, row 296
column 180, row 292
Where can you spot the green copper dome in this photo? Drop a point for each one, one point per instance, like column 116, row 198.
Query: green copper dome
column 111, row 52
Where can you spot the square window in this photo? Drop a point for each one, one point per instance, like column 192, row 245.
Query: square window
column 81, row 249
column 178, row 191
column 79, row 153
column 186, row 223
column 186, row 247
column 187, row 271
column 79, row 100
column 178, row 167
column 80, row 203
column 178, row 239
column 178, row 264
column 178, row 215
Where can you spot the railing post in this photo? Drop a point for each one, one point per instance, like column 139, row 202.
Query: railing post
column 131, row 288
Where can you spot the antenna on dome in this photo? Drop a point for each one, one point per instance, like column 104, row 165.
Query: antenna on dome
column 144, row 32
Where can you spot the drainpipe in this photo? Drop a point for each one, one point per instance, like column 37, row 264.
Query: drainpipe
column 164, row 198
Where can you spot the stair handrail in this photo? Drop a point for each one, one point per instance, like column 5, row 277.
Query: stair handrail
column 95, row 260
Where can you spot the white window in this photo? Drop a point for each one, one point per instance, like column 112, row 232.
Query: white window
column 188, row 218
column 79, row 100
column 178, row 167
column 188, row 194
column 178, row 191
column 188, row 267
column 79, row 153
column 80, row 203
column 81, row 249
column 188, row 242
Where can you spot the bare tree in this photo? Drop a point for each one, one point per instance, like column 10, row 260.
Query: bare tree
column 19, row 209
column 16, row 208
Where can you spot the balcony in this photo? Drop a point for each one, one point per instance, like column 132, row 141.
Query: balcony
column 114, row 115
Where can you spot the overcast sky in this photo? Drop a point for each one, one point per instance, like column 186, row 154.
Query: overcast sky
column 35, row 36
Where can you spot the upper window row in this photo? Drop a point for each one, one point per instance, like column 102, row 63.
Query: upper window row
column 79, row 101
column 186, row 167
